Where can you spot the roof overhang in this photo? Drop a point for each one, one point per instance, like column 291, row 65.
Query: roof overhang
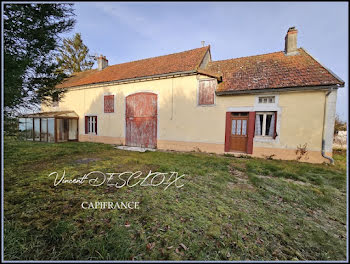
column 210, row 74
column 283, row 89
column 148, row 78
column 52, row 114
column 136, row 79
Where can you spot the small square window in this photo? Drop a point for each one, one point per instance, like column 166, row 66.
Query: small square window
column 267, row 100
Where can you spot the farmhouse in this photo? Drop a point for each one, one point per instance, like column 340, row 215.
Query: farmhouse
column 279, row 105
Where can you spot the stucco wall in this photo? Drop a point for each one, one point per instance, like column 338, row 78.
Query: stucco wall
column 183, row 125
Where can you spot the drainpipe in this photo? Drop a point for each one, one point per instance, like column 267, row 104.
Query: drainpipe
column 323, row 131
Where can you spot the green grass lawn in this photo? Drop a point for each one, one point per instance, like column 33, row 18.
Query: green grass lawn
column 228, row 209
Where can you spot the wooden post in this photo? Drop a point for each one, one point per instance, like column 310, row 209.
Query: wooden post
column 78, row 129
column 55, row 128
column 40, row 129
column 33, row 129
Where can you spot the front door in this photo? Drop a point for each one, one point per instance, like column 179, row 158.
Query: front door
column 141, row 120
column 239, row 135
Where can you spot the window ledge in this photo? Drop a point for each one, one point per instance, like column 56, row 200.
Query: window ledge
column 206, row 105
column 264, row 139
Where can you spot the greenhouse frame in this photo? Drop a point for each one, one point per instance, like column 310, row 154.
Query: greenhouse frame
column 59, row 126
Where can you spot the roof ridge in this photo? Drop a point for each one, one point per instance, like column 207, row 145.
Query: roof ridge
column 248, row 56
column 157, row 56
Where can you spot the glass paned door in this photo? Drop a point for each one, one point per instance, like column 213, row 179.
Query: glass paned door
column 62, row 129
column 239, row 133
column 73, row 129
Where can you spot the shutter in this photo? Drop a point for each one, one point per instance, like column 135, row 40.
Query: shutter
column 227, row 131
column 211, row 91
column 109, row 103
column 206, row 92
column 200, row 93
column 251, row 132
column 96, row 125
column 275, row 133
column 86, row 124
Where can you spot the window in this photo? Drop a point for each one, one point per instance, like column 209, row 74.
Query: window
column 91, row 125
column 51, row 129
column 265, row 124
column 239, row 127
column 29, row 128
column 37, row 129
column 239, row 114
column 206, row 92
column 26, row 128
column 109, row 103
column 43, row 134
column 266, row 100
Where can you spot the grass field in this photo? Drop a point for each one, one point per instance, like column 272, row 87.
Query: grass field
column 228, row 209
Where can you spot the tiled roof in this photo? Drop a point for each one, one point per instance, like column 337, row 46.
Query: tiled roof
column 177, row 62
column 273, row 70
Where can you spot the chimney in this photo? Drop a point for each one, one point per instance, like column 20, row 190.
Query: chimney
column 102, row 62
column 291, row 42
column 203, row 43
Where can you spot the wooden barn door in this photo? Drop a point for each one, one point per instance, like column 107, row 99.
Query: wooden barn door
column 141, row 120
column 239, row 132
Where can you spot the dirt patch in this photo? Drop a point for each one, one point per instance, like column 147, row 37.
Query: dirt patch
column 241, row 186
column 242, row 180
column 287, row 180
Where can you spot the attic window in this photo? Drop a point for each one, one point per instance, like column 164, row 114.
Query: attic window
column 206, row 92
column 266, row 100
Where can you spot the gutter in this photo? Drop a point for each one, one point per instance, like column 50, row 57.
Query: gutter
column 323, row 130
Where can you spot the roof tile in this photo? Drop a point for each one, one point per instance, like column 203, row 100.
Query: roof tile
column 176, row 62
column 273, row 70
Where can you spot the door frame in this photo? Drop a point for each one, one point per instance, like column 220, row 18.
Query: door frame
column 250, row 131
